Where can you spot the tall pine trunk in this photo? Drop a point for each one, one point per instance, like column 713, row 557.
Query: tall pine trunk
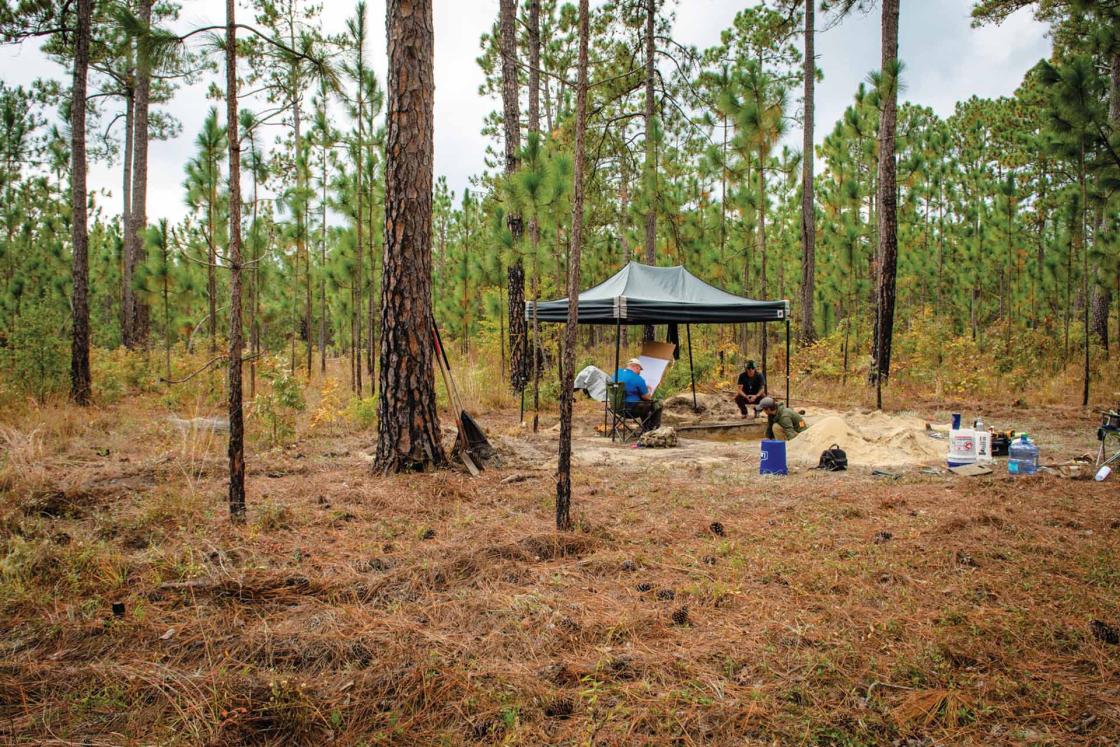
column 136, row 310
column 80, row 384
column 808, row 217
column 408, row 434
column 1102, row 291
column 359, row 276
column 887, row 202
column 323, row 266
column 650, row 168
column 568, row 354
column 518, row 339
column 762, row 248
column 126, row 210
column 236, row 422
column 534, row 225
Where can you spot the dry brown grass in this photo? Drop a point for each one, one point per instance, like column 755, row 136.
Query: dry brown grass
column 437, row 609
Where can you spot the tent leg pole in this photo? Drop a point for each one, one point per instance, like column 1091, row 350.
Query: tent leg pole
column 765, row 350
column 787, row 362
column 617, row 352
column 691, row 370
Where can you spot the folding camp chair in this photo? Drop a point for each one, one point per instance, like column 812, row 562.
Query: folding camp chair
column 624, row 425
column 1109, row 433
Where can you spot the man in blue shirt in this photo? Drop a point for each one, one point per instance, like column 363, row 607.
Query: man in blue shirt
column 639, row 399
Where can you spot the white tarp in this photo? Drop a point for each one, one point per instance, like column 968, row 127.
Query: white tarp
column 593, row 380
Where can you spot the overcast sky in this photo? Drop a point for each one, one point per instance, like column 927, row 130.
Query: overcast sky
column 945, row 61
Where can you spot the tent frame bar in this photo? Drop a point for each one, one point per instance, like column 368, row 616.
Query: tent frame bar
column 691, row 370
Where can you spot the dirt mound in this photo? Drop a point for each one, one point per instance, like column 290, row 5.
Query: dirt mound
column 678, row 409
column 871, row 440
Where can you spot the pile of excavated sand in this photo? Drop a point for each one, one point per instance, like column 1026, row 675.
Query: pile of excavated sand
column 710, row 408
column 870, row 440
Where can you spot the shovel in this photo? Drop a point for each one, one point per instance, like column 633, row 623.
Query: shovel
column 472, row 443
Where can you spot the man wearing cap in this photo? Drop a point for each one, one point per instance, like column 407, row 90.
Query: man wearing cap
column 639, row 399
column 782, row 423
column 752, row 388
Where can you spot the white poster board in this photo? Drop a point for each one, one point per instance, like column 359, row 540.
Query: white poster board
column 655, row 358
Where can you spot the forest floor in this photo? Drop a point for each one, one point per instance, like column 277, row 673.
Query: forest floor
column 695, row 603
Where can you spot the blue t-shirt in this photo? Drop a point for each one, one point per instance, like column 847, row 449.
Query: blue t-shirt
column 635, row 385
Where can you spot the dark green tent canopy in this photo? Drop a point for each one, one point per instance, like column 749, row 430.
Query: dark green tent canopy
column 642, row 294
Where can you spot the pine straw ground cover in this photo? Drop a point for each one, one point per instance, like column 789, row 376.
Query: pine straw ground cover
column 691, row 606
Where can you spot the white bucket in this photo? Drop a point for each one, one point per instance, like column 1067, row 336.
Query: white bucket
column 962, row 447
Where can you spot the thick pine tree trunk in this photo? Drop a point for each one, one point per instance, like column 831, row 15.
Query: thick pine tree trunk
column 137, row 310
column 518, row 339
column 236, row 422
column 408, row 434
column 80, row 384
column 650, row 151
column 887, row 202
column 568, row 354
column 808, row 217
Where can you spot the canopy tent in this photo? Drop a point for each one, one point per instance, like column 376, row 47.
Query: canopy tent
column 643, row 294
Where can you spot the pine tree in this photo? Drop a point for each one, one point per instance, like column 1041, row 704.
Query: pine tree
column 408, row 435
column 567, row 356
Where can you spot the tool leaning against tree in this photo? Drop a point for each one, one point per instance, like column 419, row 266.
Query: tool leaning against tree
column 471, row 443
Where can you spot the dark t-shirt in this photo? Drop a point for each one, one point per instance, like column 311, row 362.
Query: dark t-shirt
column 752, row 384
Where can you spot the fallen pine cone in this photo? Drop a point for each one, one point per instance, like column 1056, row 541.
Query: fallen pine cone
column 680, row 616
column 560, row 709
column 644, row 587
column 666, row 594
column 1104, row 632
column 717, row 529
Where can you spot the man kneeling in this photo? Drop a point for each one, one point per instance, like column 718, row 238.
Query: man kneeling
column 639, row 399
column 782, row 423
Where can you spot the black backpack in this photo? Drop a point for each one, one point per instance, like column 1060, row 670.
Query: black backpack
column 834, row 459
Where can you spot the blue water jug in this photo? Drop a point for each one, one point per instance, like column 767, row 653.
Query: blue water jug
column 773, row 460
column 1022, row 457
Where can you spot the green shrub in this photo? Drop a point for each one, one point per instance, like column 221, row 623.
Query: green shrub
column 276, row 405
column 38, row 355
column 362, row 411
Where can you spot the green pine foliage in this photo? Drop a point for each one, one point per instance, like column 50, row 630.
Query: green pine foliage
column 1009, row 244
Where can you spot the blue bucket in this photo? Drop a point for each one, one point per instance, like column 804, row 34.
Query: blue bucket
column 773, row 461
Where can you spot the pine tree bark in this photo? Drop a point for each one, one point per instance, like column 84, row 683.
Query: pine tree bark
column 80, row 384
column 359, row 275
column 126, row 211
column 236, row 421
column 511, row 115
column 887, row 199
column 323, row 266
column 534, row 226
column 650, row 151
column 568, row 354
column 136, row 309
column 1102, row 291
column 408, row 434
column 807, row 330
